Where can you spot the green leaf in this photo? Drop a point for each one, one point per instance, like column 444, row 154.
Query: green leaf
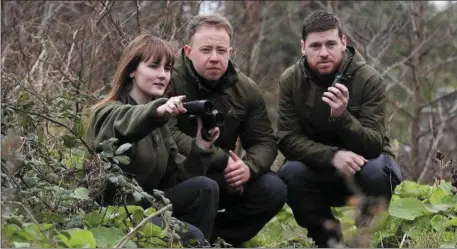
column 151, row 230
column 10, row 229
column 438, row 222
column 435, row 208
column 150, row 211
column 93, row 218
column 69, row 141
column 452, row 222
column 412, row 189
column 114, row 180
column 106, row 166
column 415, row 229
column 449, row 236
column 446, row 186
column 123, row 148
column 80, row 130
column 437, row 195
column 449, row 200
column 407, row 208
column 107, row 149
column 77, row 238
column 122, row 159
column 107, row 237
column 21, row 244
column 31, row 181
column 137, row 196
column 82, row 193
column 53, row 217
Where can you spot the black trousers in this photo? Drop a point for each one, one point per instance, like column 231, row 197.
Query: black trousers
column 312, row 193
column 244, row 214
column 194, row 202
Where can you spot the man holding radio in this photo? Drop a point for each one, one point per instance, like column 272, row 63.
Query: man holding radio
column 249, row 193
column 331, row 130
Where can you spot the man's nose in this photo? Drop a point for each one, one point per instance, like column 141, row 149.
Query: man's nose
column 213, row 57
column 323, row 52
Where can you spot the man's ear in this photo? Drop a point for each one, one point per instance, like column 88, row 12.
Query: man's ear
column 230, row 51
column 344, row 42
column 187, row 50
column 303, row 51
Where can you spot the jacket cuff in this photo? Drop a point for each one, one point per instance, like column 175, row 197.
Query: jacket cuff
column 343, row 121
column 219, row 160
column 196, row 149
column 253, row 169
column 155, row 117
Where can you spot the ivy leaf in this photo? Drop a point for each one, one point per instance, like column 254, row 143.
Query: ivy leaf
column 69, row 141
column 81, row 193
column 123, row 148
column 137, row 196
column 125, row 160
column 107, row 149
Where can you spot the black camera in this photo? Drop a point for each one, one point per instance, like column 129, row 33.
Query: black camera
column 204, row 109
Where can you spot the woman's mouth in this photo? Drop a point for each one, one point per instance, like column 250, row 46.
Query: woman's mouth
column 159, row 84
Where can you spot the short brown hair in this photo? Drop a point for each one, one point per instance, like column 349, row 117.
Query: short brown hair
column 196, row 22
column 321, row 20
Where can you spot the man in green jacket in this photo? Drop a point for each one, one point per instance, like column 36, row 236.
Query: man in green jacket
column 332, row 135
column 250, row 194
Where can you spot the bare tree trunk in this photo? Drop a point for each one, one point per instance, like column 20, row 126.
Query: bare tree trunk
column 416, row 65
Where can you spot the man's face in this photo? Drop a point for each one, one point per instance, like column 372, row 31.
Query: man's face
column 209, row 50
column 324, row 51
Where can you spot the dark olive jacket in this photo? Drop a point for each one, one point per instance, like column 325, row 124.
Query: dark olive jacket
column 305, row 131
column 241, row 101
column 155, row 161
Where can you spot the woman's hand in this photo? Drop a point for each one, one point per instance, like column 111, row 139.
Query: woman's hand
column 172, row 107
column 213, row 135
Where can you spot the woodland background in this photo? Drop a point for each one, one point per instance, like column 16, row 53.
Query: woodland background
column 58, row 58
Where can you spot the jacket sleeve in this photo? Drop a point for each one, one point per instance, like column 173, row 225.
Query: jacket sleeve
column 184, row 142
column 364, row 135
column 128, row 123
column 293, row 143
column 257, row 136
column 180, row 167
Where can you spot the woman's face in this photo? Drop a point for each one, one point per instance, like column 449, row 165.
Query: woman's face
column 151, row 78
